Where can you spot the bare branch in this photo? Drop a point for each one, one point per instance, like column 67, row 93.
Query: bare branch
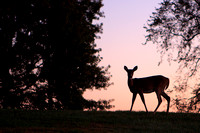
column 198, row 2
column 195, row 68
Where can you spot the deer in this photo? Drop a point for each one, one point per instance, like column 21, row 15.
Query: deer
column 157, row 84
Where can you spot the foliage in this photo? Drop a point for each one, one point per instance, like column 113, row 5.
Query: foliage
column 175, row 28
column 48, row 54
column 97, row 121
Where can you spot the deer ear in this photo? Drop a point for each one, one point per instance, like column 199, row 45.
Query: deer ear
column 125, row 68
column 135, row 68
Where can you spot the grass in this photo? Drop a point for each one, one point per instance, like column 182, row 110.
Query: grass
column 112, row 122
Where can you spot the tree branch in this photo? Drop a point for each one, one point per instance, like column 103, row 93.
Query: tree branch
column 195, row 68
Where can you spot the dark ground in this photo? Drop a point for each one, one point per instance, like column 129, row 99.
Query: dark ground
column 24, row 121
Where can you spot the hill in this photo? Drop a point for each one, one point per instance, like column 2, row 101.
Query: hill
column 80, row 121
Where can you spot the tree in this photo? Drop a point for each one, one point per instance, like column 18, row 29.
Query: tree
column 54, row 56
column 175, row 28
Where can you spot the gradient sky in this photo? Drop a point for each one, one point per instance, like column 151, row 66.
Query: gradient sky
column 121, row 43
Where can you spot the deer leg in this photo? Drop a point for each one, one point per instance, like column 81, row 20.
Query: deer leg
column 142, row 97
column 159, row 101
column 168, row 100
column 133, row 100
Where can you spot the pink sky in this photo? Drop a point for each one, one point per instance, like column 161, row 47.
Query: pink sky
column 121, row 43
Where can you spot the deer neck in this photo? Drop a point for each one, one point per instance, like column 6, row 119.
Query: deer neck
column 130, row 82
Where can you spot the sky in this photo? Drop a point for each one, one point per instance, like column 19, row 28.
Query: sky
column 122, row 44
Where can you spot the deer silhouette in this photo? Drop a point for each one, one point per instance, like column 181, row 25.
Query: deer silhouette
column 151, row 84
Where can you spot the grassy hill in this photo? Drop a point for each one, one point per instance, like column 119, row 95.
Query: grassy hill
column 79, row 121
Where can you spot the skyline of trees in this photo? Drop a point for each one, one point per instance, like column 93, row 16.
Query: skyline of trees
column 175, row 29
column 49, row 55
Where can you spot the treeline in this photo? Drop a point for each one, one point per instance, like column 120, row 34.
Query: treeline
column 48, row 55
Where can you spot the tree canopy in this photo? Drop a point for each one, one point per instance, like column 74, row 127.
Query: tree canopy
column 49, row 56
column 175, row 28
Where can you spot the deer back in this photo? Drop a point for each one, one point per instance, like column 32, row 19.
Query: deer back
column 148, row 84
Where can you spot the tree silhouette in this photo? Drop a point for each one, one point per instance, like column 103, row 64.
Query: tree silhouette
column 49, row 55
column 174, row 28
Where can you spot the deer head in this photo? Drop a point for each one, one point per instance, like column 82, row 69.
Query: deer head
column 130, row 71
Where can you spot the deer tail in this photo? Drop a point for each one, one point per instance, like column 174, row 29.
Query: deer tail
column 167, row 84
